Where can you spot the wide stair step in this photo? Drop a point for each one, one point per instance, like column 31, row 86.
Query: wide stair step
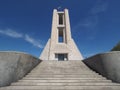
column 86, row 87
column 65, row 80
column 64, row 76
column 62, row 83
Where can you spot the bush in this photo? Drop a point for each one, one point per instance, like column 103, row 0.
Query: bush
column 116, row 48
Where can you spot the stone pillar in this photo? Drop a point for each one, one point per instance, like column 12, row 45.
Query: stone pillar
column 67, row 25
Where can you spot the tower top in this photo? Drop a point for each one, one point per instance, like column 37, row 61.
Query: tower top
column 60, row 9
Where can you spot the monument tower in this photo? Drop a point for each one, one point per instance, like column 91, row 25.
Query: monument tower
column 61, row 46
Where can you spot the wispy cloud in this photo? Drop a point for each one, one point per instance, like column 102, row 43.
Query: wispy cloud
column 11, row 33
column 87, row 27
column 100, row 6
column 89, row 24
column 92, row 19
column 33, row 41
column 26, row 37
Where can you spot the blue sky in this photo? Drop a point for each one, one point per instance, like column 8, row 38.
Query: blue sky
column 25, row 25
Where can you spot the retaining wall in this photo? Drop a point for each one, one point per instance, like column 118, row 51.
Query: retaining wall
column 15, row 65
column 107, row 64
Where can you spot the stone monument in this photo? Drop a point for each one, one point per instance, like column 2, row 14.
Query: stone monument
column 61, row 46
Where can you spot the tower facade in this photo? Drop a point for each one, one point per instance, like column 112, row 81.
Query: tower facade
column 61, row 46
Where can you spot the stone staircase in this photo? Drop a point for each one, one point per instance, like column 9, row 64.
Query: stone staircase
column 63, row 75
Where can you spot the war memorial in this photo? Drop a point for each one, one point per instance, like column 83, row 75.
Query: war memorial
column 60, row 66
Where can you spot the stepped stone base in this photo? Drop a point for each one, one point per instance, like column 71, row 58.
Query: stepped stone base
column 63, row 75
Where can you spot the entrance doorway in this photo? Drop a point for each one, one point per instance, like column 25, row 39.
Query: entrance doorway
column 61, row 57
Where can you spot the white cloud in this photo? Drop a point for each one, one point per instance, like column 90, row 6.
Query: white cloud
column 11, row 33
column 26, row 37
column 33, row 41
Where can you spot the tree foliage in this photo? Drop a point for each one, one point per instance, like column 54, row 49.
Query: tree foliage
column 116, row 48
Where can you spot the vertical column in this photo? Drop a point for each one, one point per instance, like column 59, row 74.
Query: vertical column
column 67, row 25
column 54, row 35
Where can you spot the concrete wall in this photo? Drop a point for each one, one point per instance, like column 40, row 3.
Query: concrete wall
column 107, row 64
column 14, row 66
